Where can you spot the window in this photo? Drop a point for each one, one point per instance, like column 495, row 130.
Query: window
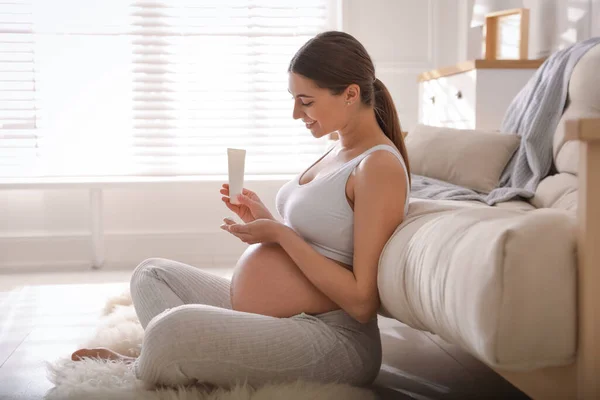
column 126, row 87
column 18, row 136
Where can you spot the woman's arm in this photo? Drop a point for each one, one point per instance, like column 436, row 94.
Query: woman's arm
column 379, row 196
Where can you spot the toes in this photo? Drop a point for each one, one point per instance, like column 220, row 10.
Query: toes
column 77, row 356
column 87, row 353
column 97, row 353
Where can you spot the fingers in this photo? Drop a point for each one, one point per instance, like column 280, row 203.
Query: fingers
column 245, row 199
column 227, row 223
column 233, row 207
column 225, row 227
column 225, row 190
column 227, row 200
column 233, row 226
column 237, row 230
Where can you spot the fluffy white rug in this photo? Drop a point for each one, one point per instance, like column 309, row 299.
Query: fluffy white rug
column 119, row 329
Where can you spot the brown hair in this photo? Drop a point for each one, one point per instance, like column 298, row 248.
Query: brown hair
column 334, row 60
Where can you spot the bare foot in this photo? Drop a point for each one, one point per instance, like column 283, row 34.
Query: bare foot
column 101, row 353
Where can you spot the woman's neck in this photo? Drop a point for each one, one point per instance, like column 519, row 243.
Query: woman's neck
column 360, row 130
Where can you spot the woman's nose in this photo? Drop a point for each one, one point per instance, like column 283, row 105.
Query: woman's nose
column 296, row 113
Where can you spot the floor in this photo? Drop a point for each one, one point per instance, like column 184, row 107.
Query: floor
column 46, row 316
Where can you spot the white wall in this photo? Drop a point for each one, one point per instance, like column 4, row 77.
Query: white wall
column 554, row 24
column 595, row 22
column 405, row 38
column 573, row 22
column 49, row 229
column 542, row 17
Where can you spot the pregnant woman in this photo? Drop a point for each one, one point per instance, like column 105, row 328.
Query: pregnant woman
column 303, row 300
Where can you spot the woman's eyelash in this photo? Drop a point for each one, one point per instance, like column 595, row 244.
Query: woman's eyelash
column 304, row 104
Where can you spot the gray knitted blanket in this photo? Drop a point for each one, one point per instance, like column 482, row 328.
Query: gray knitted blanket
column 534, row 115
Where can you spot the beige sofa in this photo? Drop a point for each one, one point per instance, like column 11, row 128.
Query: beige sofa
column 516, row 285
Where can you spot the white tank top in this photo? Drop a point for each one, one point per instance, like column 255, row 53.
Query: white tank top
column 319, row 210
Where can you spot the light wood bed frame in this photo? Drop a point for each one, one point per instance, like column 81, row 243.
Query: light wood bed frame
column 580, row 380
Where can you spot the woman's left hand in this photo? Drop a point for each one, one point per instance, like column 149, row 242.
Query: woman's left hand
column 258, row 231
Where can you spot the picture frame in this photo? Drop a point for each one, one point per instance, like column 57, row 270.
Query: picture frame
column 506, row 35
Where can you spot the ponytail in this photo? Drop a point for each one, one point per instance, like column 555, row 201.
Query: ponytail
column 387, row 118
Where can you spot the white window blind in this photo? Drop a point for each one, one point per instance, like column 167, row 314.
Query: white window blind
column 132, row 87
column 18, row 140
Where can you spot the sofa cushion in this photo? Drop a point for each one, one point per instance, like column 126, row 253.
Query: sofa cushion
column 515, row 205
column 557, row 191
column 469, row 158
column 584, row 102
column 498, row 282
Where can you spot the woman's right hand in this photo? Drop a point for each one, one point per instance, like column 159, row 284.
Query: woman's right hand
column 250, row 208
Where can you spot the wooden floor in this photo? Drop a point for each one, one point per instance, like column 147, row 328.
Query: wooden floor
column 46, row 316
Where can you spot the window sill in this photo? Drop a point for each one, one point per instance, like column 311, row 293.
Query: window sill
column 101, row 182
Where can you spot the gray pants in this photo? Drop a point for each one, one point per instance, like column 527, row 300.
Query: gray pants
column 192, row 335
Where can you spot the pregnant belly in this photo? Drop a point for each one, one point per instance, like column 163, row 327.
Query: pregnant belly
column 267, row 281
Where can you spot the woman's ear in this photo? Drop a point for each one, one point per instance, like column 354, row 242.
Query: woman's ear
column 352, row 94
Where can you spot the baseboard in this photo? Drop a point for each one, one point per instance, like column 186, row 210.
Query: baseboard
column 123, row 250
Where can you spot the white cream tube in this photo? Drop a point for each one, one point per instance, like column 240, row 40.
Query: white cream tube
column 236, row 160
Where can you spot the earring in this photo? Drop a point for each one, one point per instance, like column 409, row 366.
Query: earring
column 348, row 102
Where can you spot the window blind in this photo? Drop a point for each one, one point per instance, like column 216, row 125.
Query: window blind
column 133, row 87
column 18, row 139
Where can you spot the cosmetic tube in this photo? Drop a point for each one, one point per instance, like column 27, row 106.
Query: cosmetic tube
column 236, row 160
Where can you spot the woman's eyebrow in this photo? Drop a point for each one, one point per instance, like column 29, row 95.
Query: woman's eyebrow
column 301, row 95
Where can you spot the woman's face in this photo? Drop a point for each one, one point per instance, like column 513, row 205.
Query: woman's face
column 322, row 112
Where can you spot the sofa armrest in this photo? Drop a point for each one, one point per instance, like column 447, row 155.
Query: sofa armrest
column 587, row 131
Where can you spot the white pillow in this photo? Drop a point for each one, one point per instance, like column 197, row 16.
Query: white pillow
column 470, row 158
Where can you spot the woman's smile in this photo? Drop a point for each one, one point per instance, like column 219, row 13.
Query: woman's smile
column 309, row 124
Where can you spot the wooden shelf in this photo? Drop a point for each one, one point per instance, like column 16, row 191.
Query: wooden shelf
column 480, row 64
